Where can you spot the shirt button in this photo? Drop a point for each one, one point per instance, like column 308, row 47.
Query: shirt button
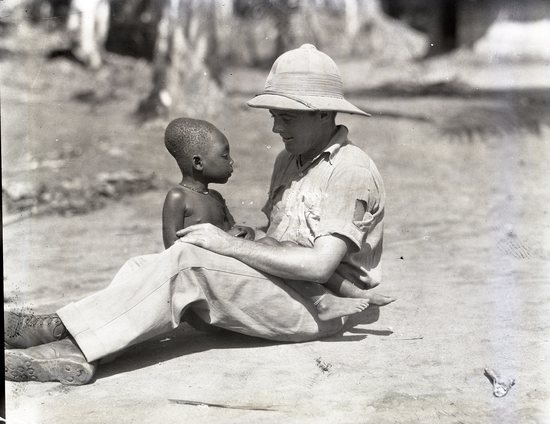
column 301, row 174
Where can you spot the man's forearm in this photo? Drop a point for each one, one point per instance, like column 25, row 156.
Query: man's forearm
column 315, row 263
column 291, row 262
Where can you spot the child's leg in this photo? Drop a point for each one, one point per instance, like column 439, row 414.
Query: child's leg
column 328, row 305
column 346, row 288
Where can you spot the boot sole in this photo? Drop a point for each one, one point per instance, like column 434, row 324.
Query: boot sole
column 22, row 367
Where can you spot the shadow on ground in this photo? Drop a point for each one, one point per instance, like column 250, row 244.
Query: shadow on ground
column 186, row 340
column 180, row 342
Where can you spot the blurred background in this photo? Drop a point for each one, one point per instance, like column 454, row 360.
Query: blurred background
column 78, row 76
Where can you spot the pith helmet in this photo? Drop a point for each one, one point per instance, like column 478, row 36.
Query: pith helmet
column 304, row 79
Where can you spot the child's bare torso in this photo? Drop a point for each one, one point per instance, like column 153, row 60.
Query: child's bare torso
column 205, row 208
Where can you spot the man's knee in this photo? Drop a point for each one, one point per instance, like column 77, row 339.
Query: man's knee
column 180, row 247
column 188, row 253
column 136, row 261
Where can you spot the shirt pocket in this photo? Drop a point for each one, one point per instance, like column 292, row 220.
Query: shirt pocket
column 309, row 218
column 275, row 204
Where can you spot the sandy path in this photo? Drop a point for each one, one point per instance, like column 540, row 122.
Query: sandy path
column 467, row 255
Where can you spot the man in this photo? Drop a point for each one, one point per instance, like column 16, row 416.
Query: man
column 326, row 196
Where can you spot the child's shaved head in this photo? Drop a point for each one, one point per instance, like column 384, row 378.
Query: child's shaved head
column 185, row 137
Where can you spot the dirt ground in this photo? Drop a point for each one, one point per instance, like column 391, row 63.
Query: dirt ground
column 467, row 254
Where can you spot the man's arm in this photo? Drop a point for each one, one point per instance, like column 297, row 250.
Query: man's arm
column 314, row 264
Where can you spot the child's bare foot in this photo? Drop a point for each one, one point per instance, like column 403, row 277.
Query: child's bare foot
column 378, row 299
column 346, row 288
column 330, row 306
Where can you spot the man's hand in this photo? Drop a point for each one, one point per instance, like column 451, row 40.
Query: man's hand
column 208, row 237
column 242, row 231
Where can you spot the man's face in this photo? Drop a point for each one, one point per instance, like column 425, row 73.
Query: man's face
column 216, row 161
column 299, row 130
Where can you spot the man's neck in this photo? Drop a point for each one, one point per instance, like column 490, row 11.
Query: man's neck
column 325, row 138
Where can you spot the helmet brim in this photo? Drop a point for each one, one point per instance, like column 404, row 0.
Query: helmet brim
column 304, row 103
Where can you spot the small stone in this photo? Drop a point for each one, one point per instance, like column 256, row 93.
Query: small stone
column 21, row 190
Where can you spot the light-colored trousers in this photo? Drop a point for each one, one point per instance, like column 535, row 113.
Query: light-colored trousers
column 150, row 293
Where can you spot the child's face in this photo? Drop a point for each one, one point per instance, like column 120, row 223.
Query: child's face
column 217, row 163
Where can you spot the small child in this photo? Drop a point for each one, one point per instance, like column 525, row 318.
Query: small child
column 202, row 154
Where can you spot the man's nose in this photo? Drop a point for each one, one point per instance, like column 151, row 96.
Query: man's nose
column 277, row 126
column 231, row 162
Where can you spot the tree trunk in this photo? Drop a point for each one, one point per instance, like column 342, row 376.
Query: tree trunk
column 186, row 66
column 370, row 31
column 88, row 25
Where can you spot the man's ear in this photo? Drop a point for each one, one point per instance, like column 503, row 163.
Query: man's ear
column 197, row 162
column 326, row 116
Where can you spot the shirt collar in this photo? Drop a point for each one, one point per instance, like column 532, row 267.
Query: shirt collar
column 339, row 139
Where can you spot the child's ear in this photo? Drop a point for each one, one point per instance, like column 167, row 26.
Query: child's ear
column 197, row 163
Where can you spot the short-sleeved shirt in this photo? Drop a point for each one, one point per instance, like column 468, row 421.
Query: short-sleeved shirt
column 339, row 192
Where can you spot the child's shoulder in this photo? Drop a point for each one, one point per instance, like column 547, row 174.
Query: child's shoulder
column 176, row 196
column 176, row 192
column 175, row 202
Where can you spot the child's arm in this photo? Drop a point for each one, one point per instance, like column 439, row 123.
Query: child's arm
column 235, row 230
column 242, row 231
column 229, row 222
column 173, row 216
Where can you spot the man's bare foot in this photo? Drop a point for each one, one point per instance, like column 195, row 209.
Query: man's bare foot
column 346, row 288
column 330, row 306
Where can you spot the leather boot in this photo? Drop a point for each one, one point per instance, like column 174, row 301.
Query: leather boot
column 59, row 361
column 23, row 329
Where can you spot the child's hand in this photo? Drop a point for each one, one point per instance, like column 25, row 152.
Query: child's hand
column 242, row 231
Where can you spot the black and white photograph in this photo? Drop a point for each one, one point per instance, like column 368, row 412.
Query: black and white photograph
column 275, row 211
